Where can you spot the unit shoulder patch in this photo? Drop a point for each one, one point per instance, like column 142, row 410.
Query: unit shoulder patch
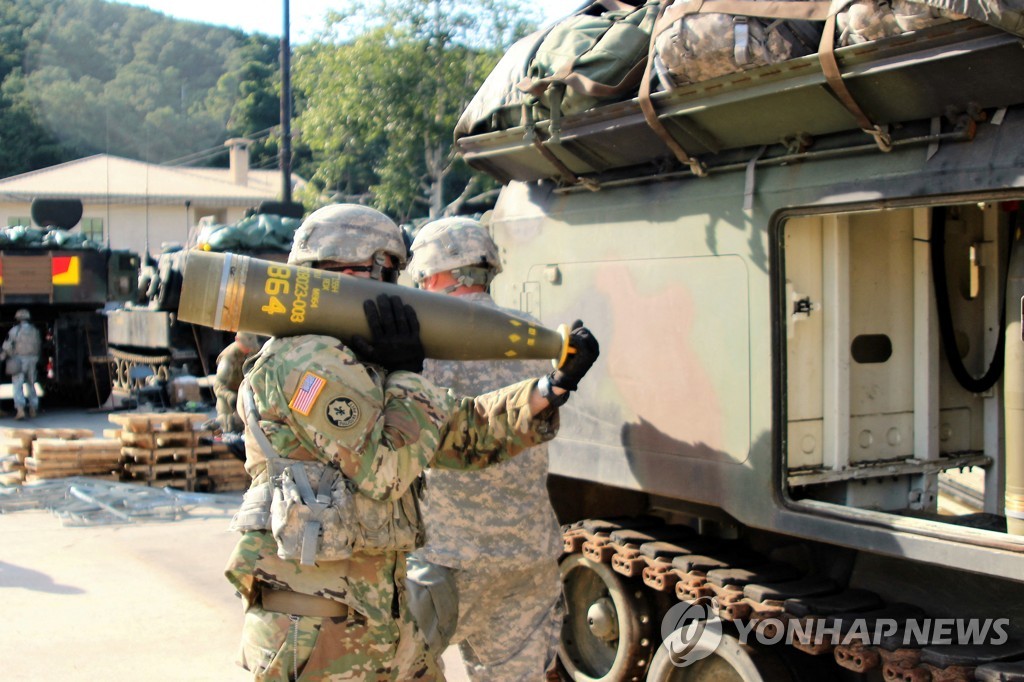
column 342, row 412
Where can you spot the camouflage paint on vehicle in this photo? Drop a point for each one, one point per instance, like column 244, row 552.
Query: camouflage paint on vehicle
column 687, row 289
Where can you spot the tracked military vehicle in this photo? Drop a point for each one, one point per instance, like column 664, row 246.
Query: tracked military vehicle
column 65, row 283
column 808, row 406
column 148, row 343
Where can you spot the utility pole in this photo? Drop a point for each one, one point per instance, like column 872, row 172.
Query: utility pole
column 285, row 152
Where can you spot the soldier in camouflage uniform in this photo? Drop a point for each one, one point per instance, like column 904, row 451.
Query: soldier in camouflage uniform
column 21, row 351
column 496, row 530
column 229, row 377
column 316, row 407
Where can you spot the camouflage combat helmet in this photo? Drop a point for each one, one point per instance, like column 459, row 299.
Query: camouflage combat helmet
column 347, row 233
column 458, row 245
column 22, row 315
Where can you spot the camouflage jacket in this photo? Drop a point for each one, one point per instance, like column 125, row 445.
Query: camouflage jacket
column 317, row 401
column 22, row 341
column 499, row 516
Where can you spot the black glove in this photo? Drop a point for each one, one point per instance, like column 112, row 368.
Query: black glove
column 584, row 350
column 396, row 336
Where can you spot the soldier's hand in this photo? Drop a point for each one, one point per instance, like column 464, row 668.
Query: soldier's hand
column 584, row 350
column 395, row 330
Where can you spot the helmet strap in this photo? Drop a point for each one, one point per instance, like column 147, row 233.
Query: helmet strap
column 380, row 270
column 469, row 276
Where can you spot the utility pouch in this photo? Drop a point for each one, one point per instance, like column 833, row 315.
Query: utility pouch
column 388, row 525
column 433, row 600
column 13, row 366
column 311, row 527
column 254, row 514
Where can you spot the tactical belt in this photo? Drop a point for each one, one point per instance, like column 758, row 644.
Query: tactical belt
column 297, row 604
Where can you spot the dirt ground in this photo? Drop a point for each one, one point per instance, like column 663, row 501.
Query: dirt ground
column 117, row 603
column 142, row 601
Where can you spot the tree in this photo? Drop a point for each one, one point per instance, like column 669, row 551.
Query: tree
column 86, row 76
column 248, row 97
column 379, row 107
column 24, row 144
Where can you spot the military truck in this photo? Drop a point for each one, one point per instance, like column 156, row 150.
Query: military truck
column 808, row 405
column 65, row 283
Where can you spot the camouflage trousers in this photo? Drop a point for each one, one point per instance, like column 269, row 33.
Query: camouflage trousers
column 509, row 621
column 277, row 647
column 23, row 383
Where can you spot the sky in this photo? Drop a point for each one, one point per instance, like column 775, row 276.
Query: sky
column 267, row 16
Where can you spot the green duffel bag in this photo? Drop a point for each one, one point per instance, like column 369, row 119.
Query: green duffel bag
column 499, row 103
column 276, row 232
column 221, row 238
column 596, row 55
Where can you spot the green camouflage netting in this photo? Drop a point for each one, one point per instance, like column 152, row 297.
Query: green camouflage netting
column 256, row 233
column 23, row 237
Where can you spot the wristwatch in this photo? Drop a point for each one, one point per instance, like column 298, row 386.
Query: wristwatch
column 547, row 392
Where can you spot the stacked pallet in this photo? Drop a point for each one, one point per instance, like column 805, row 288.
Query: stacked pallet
column 61, row 457
column 221, row 471
column 14, row 448
column 16, row 453
column 11, row 473
column 160, row 449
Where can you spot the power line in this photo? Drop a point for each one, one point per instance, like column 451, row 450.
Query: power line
column 210, row 152
column 194, row 157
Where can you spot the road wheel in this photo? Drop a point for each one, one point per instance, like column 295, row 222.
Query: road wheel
column 729, row 661
column 607, row 632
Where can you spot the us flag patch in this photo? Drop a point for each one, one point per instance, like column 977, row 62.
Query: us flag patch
column 307, row 393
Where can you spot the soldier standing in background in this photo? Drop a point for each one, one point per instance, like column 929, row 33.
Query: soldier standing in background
column 21, row 351
column 323, row 573
column 495, row 530
column 229, row 377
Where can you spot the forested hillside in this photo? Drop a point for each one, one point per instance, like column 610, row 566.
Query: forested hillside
column 376, row 95
column 80, row 77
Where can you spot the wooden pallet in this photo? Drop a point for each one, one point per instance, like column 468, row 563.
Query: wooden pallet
column 57, row 446
column 148, row 422
column 73, row 459
column 15, row 446
column 210, row 484
column 186, row 484
column 19, row 441
column 12, row 478
column 150, row 472
column 168, row 454
column 157, row 439
column 221, row 471
column 71, row 470
column 226, row 467
column 38, row 478
column 58, row 458
column 26, row 436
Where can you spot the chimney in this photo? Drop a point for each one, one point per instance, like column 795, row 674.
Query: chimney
column 238, row 159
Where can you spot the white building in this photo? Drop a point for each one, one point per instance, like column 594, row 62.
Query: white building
column 131, row 204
